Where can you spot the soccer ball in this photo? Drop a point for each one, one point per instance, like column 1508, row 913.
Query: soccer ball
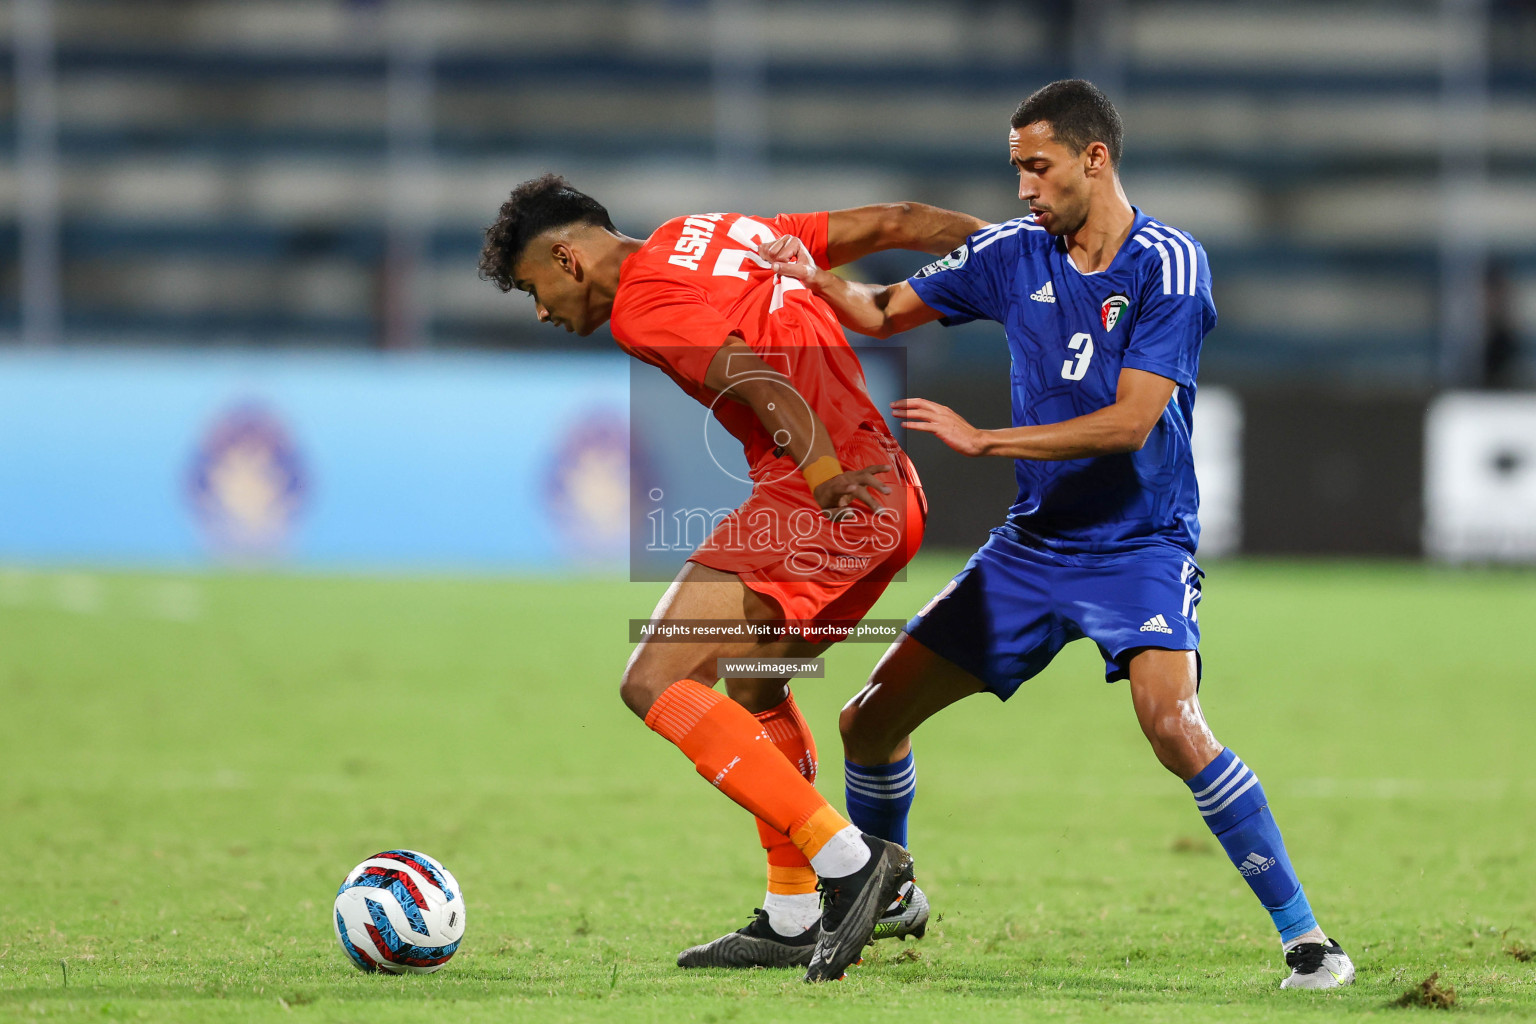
column 399, row 911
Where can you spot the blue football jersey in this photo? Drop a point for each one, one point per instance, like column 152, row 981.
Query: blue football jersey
column 1069, row 335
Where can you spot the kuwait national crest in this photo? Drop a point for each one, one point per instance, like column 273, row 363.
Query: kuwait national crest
column 1110, row 311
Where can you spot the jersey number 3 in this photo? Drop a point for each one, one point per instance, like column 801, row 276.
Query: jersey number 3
column 1077, row 368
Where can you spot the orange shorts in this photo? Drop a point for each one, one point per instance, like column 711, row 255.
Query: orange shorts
column 821, row 572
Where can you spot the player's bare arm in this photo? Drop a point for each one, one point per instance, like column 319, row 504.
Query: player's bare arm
column 784, row 414
column 855, row 233
column 1140, row 398
column 878, row 311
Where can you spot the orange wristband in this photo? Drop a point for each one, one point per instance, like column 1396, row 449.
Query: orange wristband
column 820, row 471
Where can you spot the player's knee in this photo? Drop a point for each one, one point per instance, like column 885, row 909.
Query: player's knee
column 855, row 739
column 1165, row 730
column 848, row 722
column 639, row 689
column 864, row 742
column 1171, row 742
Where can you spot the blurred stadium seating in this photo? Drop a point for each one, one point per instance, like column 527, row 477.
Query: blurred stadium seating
column 225, row 166
column 281, row 175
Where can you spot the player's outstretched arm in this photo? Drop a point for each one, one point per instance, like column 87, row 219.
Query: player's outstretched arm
column 741, row 374
column 876, row 310
column 1140, row 398
column 855, row 233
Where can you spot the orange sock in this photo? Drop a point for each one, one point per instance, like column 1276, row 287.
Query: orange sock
column 789, row 873
column 790, row 732
column 729, row 748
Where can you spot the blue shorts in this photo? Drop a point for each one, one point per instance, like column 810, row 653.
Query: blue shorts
column 1013, row 606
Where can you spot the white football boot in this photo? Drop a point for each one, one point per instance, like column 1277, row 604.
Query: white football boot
column 1315, row 965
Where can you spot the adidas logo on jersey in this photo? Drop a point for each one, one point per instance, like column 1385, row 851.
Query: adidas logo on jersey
column 1045, row 293
column 1156, row 624
column 1255, row 864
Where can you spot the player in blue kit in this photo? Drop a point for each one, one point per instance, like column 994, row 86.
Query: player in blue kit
column 1105, row 310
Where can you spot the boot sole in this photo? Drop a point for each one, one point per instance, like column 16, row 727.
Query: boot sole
column 745, row 951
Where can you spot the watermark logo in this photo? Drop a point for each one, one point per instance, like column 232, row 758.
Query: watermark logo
column 771, row 668
column 712, row 483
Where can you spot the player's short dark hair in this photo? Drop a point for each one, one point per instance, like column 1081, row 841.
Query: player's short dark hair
column 536, row 206
column 1078, row 114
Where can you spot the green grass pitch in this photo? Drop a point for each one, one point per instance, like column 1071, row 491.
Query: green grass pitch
column 191, row 764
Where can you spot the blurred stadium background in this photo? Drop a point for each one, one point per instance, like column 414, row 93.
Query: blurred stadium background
column 240, row 320
column 241, row 327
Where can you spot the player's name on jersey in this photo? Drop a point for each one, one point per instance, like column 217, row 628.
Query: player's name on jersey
column 695, row 237
column 685, row 631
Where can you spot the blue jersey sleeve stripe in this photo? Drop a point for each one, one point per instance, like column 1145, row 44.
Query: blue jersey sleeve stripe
column 992, row 229
column 1194, row 258
column 1005, row 225
column 1148, row 243
column 987, row 233
column 1009, row 230
column 978, row 246
column 1178, row 258
column 1181, row 241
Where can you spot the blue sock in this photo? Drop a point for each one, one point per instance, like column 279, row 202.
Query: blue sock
column 880, row 796
column 1230, row 797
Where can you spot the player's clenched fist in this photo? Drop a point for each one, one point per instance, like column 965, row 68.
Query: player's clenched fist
column 941, row 421
column 788, row 256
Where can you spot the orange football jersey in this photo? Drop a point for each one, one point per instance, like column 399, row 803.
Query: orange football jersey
column 698, row 280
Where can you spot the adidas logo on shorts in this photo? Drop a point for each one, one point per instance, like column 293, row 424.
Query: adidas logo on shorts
column 1156, row 624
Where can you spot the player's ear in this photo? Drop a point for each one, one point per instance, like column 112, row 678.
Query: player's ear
column 1097, row 160
column 566, row 259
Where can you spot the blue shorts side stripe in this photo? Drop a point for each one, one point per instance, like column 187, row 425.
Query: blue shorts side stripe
column 1006, row 614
